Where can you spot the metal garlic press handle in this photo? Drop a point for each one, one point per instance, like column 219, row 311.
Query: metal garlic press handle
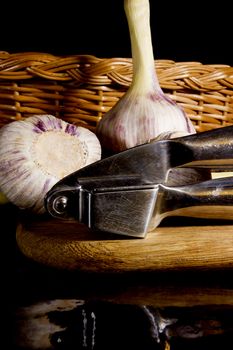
column 212, row 199
column 211, row 149
column 135, row 212
column 137, row 209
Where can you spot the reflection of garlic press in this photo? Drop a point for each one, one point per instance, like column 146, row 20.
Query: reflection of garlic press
column 130, row 192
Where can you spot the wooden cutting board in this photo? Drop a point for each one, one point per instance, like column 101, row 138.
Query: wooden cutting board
column 70, row 245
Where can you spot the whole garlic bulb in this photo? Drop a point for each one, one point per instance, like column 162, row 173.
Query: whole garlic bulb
column 37, row 152
column 144, row 111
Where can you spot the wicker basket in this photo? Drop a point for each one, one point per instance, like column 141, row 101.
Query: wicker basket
column 81, row 88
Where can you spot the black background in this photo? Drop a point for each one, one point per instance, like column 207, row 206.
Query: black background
column 181, row 31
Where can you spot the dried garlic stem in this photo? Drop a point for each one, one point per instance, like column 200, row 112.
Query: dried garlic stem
column 144, row 76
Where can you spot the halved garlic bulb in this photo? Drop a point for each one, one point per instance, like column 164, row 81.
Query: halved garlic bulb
column 39, row 151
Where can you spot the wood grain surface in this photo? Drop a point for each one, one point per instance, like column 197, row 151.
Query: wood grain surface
column 70, row 245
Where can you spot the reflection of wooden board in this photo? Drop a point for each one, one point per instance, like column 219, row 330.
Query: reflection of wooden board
column 70, row 245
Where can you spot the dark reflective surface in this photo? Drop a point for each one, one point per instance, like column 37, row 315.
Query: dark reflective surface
column 45, row 308
column 76, row 324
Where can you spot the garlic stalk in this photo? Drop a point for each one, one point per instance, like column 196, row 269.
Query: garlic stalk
column 144, row 111
column 38, row 152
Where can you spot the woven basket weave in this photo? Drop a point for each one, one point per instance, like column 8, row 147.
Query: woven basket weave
column 82, row 88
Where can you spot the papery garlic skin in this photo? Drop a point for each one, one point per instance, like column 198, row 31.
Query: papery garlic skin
column 38, row 152
column 136, row 119
column 144, row 111
column 170, row 135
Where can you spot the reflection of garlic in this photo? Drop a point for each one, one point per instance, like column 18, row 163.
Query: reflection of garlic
column 39, row 151
column 144, row 111
column 3, row 199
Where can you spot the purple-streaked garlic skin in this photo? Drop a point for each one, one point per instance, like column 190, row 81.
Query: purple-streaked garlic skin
column 38, row 152
column 144, row 111
column 135, row 120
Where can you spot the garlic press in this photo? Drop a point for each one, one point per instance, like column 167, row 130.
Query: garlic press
column 131, row 192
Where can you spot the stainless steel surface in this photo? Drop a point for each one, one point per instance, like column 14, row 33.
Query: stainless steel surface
column 135, row 210
column 211, row 199
column 153, row 161
column 131, row 192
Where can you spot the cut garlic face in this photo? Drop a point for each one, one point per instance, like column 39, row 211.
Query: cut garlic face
column 38, row 152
